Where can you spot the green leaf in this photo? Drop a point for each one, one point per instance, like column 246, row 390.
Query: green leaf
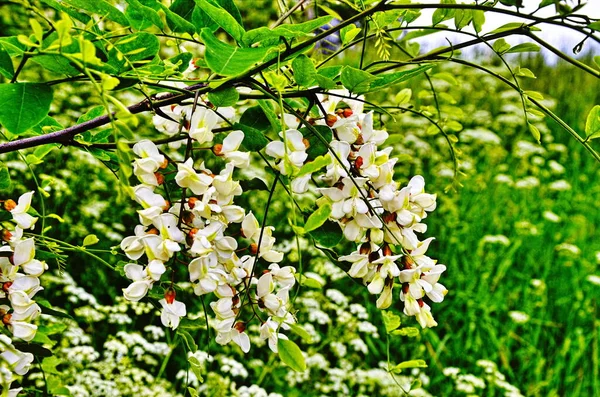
column 501, row 46
column 255, row 117
column 291, row 355
column 314, row 166
column 193, row 392
column 524, row 47
column 507, row 27
column 535, row 132
column 534, row 95
column 443, row 14
column 92, row 113
column 356, row 80
column 391, row 320
column 592, row 123
column 176, row 22
column 99, row 7
column 301, row 332
column 90, row 239
column 304, row 71
column 4, row 177
column 224, row 97
column 462, row 18
column 6, row 65
column 478, row 20
column 390, row 79
column 594, row 26
column 524, row 72
column 188, row 339
column 23, row 105
column 134, row 50
column 411, row 332
column 318, row 218
column 33, row 348
column 254, row 140
column 403, row 96
column 409, row 364
column 142, row 17
column 227, row 60
column 597, row 61
column 48, row 309
column 56, row 63
column 253, row 184
column 348, row 33
column 223, row 18
column 196, row 368
column 309, row 282
column 328, row 235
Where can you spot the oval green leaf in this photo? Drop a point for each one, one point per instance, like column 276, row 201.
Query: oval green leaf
column 291, row 355
column 23, row 105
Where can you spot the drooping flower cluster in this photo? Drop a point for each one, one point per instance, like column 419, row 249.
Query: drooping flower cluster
column 200, row 228
column 370, row 207
column 19, row 281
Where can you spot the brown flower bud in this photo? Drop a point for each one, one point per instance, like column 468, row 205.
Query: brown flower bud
column 387, row 251
column 6, row 319
column 365, row 249
column 373, row 256
column 330, row 120
column 389, row 217
column 153, row 230
column 359, row 162
column 10, row 205
column 306, row 143
column 6, row 286
column 360, row 140
column 187, row 217
column 253, row 248
column 159, row 178
column 167, row 205
column 170, row 295
column 217, row 149
column 240, row 326
column 348, row 112
column 6, row 235
column 164, row 164
column 192, row 202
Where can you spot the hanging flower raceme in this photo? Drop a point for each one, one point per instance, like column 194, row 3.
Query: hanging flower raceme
column 19, row 283
column 193, row 227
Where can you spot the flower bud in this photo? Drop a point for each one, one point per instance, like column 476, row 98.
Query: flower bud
column 170, row 295
column 240, row 326
column 373, row 256
column 153, row 230
column 167, row 205
column 217, row 149
column 359, row 162
column 359, row 140
column 387, row 251
column 389, row 217
column 10, row 205
column 365, row 249
column 306, row 143
column 6, row 235
column 347, row 112
column 164, row 164
column 192, row 202
column 330, row 120
column 6, row 319
column 6, row 286
column 253, row 248
column 187, row 217
column 407, row 262
column 189, row 239
column 160, row 179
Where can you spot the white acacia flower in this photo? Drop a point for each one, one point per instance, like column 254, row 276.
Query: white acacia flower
column 291, row 152
column 230, row 151
column 186, row 176
column 269, row 331
column 339, row 162
column 144, row 195
column 171, row 313
column 203, row 121
column 176, row 115
column 227, row 332
column 18, row 361
column 137, row 290
column 347, row 129
column 19, row 213
column 24, row 257
column 377, row 137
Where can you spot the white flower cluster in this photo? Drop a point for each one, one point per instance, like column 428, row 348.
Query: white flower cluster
column 19, row 281
column 370, row 207
column 195, row 230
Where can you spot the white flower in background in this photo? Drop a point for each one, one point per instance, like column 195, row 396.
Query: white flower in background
column 171, row 313
column 19, row 211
